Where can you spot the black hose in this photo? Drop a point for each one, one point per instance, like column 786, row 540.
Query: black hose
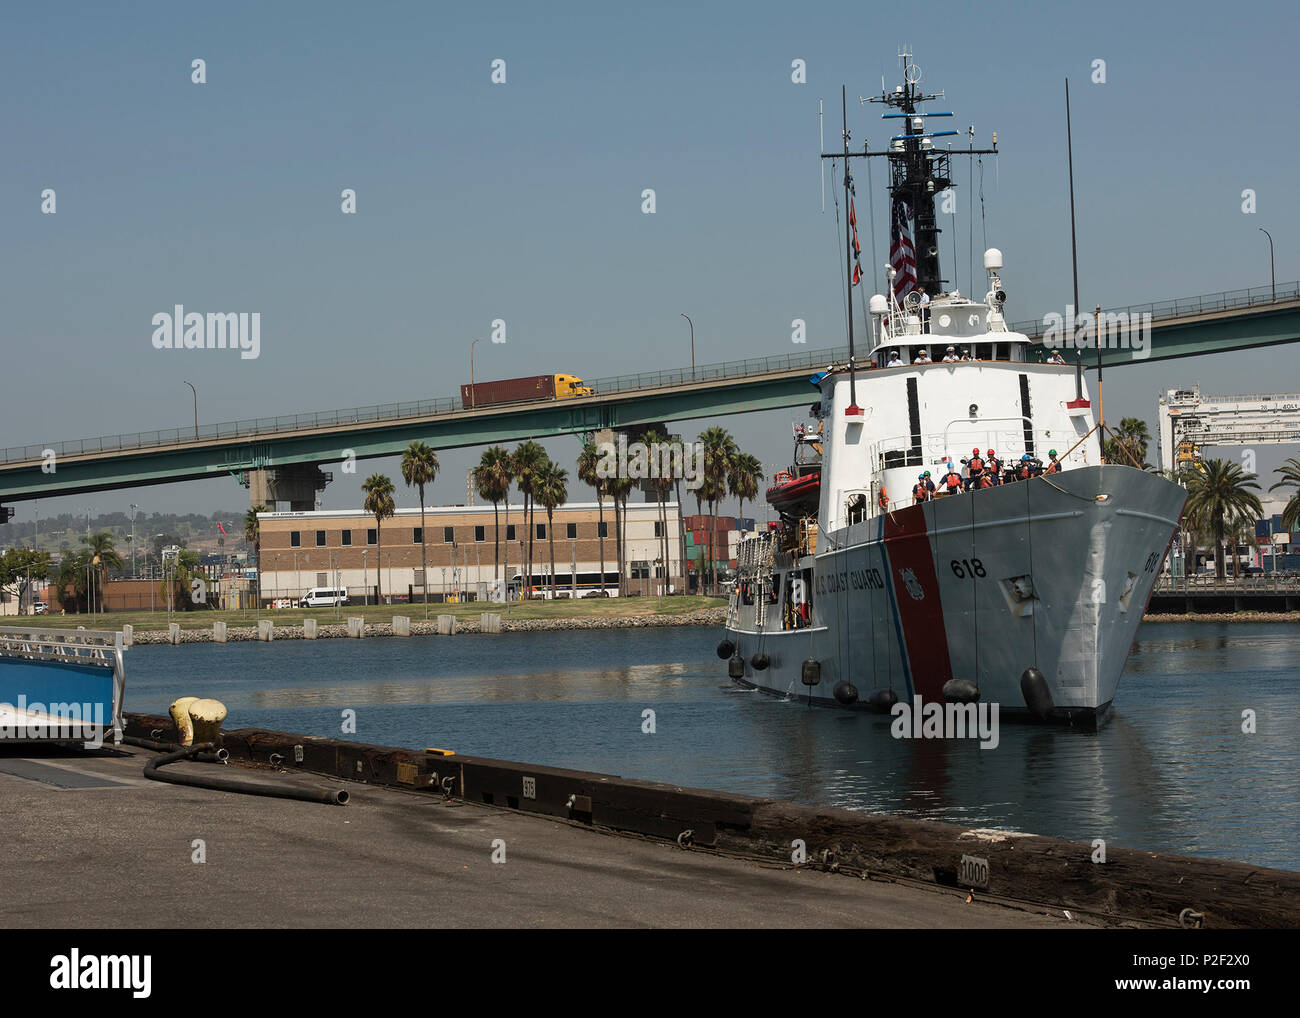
column 223, row 784
column 219, row 756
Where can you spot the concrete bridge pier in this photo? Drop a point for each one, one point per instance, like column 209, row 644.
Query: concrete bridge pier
column 295, row 483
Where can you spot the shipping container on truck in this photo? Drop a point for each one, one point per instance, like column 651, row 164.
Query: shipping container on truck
column 522, row 390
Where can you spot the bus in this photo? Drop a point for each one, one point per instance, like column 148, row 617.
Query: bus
column 588, row 584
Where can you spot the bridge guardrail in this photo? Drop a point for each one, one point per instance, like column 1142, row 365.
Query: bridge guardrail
column 386, row 412
column 1280, row 584
column 1225, row 300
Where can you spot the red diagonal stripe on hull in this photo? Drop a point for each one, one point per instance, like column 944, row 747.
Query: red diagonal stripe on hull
column 924, row 633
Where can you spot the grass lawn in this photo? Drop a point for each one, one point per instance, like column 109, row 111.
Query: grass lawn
column 562, row 609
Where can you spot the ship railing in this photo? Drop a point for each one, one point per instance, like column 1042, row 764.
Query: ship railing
column 93, row 647
column 936, row 449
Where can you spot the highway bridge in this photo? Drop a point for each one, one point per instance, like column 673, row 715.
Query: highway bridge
column 280, row 459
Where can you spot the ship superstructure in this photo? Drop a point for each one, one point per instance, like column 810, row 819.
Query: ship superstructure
column 966, row 542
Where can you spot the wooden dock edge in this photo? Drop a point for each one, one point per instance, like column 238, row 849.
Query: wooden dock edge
column 1131, row 887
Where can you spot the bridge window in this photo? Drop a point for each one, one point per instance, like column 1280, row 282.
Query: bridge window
column 295, row 539
column 372, row 536
column 448, row 535
column 480, row 534
column 345, row 538
column 571, row 531
column 320, row 539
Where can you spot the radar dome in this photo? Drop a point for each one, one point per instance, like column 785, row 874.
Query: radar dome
column 993, row 259
column 878, row 305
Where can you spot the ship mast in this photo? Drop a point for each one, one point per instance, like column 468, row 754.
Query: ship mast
column 918, row 171
column 852, row 410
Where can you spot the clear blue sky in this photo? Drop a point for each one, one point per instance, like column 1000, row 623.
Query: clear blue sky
column 522, row 201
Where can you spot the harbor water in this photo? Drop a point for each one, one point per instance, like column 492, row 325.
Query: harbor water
column 1172, row 771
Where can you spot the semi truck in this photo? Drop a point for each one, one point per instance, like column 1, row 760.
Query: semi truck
column 522, row 390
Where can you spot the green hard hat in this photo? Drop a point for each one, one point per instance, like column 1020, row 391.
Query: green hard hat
column 1051, row 452
column 926, row 474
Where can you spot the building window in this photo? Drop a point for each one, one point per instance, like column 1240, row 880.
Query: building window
column 321, row 580
column 571, row 531
column 541, row 531
column 372, row 536
column 320, row 539
column 345, row 537
column 417, row 535
column 604, row 529
column 448, row 535
column 659, row 529
column 510, row 531
column 640, row 570
column 480, row 534
column 295, row 539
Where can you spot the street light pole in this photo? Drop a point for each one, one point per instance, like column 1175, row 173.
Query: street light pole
column 1271, row 274
column 692, row 324
column 196, row 407
column 134, row 507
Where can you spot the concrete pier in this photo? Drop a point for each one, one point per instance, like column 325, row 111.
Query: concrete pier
column 389, row 858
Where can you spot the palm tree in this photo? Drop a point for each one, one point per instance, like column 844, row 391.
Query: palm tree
column 681, row 529
column 1129, row 444
column 102, row 556
column 619, row 488
column 588, row 461
column 492, row 478
column 1218, row 492
column 1290, row 471
column 253, row 536
column 719, row 451
column 420, row 467
column 746, row 472
column 663, row 483
column 529, row 460
column 72, row 572
column 552, row 492
column 379, row 502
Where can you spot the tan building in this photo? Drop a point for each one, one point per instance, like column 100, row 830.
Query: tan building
column 341, row 548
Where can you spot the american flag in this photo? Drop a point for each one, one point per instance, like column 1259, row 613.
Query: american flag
column 857, row 248
column 902, row 254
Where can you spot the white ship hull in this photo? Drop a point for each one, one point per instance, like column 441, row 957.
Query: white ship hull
column 1052, row 573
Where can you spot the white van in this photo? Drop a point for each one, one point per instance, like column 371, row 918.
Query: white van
column 323, row 597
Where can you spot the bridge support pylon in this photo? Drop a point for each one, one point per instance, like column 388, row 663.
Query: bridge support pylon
column 295, row 483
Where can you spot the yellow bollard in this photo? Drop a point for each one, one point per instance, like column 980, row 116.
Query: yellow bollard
column 207, row 716
column 180, row 712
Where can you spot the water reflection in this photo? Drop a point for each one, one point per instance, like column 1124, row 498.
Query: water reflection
column 1171, row 771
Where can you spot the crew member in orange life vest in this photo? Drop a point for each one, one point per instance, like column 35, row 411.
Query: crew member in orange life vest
column 975, row 467
column 951, row 480
column 1054, row 465
column 993, row 467
column 988, row 479
column 919, row 491
column 929, row 484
